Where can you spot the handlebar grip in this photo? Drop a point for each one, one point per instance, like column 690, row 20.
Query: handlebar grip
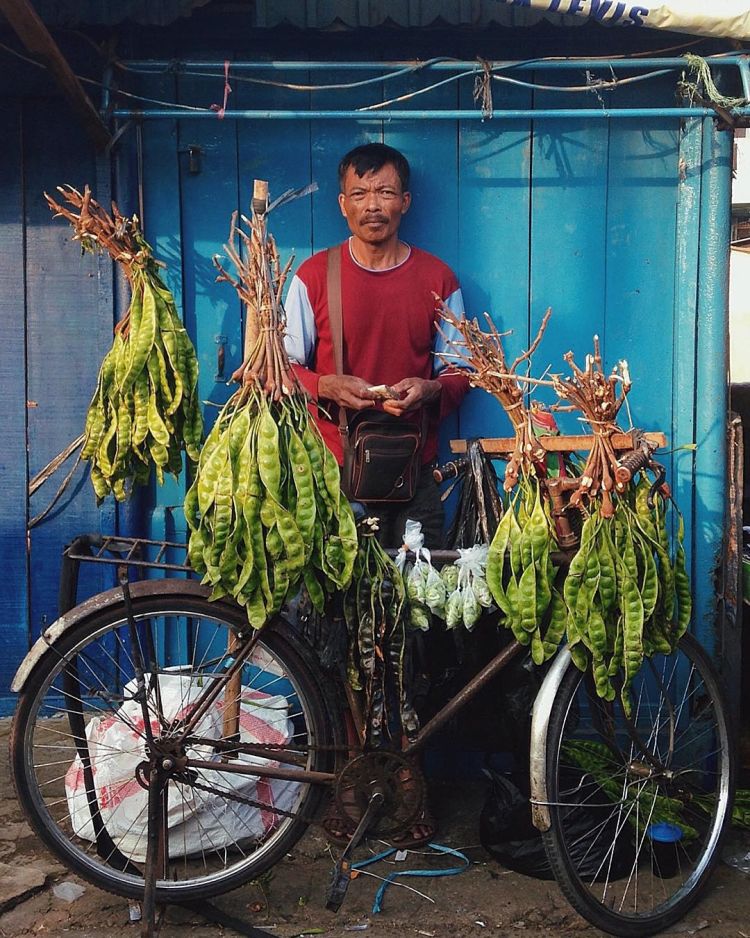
column 450, row 470
column 630, row 463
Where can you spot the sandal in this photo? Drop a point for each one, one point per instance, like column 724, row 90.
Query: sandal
column 421, row 832
column 337, row 828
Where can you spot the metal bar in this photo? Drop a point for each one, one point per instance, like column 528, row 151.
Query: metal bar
column 711, row 388
column 146, row 564
column 630, row 113
column 464, row 695
column 452, row 65
column 744, row 66
column 684, row 319
column 265, row 771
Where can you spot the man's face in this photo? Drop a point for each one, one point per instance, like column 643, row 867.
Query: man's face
column 373, row 204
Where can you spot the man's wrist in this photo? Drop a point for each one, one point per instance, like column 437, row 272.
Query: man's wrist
column 436, row 389
column 324, row 387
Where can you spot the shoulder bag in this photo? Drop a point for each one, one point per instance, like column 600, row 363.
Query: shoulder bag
column 382, row 453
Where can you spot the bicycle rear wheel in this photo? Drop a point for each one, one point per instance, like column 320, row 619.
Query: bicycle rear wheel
column 79, row 746
column 638, row 807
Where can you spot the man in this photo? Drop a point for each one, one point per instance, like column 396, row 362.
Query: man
column 389, row 325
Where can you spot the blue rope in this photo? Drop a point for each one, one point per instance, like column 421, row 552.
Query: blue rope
column 452, row 871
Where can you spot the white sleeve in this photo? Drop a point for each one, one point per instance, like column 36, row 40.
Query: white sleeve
column 301, row 333
column 449, row 333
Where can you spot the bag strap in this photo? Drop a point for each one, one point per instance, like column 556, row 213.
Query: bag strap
column 336, row 324
column 335, row 314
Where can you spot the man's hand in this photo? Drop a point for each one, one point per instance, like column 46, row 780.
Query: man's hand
column 346, row 391
column 415, row 392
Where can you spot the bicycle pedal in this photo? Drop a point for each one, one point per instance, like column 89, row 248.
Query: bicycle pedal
column 340, row 879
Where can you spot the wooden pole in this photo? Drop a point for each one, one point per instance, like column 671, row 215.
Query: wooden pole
column 496, row 446
column 32, row 32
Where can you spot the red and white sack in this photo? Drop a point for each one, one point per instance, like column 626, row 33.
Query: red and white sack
column 198, row 821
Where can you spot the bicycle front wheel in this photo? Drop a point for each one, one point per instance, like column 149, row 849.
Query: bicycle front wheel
column 81, row 750
column 638, row 805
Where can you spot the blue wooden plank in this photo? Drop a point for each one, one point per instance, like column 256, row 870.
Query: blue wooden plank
column 641, row 204
column 711, row 387
column 568, row 234
column 431, row 148
column 13, row 470
column 68, row 334
column 329, row 141
column 685, row 316
column 492, row 224
column 281, row 156
column 160, row 188
column 208, row 198
column 641, row 220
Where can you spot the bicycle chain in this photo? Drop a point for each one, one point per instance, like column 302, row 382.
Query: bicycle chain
column 250, row 802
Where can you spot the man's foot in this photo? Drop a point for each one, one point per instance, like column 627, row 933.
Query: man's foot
column 338, row 828
column 421, row 832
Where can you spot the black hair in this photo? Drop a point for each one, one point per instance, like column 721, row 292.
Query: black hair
column 370, row 157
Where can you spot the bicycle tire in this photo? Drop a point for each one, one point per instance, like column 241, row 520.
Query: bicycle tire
column 218, row 843
column 604, row 846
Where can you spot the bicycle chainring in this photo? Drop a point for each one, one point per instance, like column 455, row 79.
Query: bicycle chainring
column 397, row 777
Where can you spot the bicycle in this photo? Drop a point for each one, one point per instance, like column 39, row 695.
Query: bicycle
column 230, row 739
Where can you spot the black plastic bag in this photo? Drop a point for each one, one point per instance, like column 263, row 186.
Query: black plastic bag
column 506, row 831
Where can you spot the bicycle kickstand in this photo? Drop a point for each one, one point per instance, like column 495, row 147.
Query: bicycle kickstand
column 342, row 872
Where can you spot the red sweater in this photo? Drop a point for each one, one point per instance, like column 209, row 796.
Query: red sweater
column 389, row 331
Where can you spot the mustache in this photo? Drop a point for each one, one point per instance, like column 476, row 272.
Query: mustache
column 383, row 218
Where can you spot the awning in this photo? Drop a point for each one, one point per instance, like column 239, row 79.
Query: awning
column 719, row 18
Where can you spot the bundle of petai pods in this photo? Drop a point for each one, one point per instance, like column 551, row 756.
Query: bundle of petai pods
column 375, row 611
column 521, row 575
column 265, row 510
column 627, row 596
column 145, row 410
column 626, row 593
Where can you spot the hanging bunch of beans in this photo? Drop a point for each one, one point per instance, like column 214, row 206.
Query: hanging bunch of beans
column 376, row 610
column 627, row 592
column 265, row 509
column 521, row 575
column 520, row 572
column 145, row 410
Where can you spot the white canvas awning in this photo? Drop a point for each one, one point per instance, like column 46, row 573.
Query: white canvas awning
column 719, row 18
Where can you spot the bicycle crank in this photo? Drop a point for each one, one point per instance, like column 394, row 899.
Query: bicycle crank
column 342, row 872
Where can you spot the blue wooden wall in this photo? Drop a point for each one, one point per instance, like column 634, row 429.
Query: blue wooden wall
column 56, row 313
column 598, row 219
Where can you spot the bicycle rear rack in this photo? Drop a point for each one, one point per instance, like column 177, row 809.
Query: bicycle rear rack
column 139, row 553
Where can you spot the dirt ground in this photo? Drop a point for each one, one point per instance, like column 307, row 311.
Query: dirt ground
column 485, row 899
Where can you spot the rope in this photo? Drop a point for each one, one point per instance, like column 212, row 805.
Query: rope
column 703, row 78
column 483, row 89
column 440, row 848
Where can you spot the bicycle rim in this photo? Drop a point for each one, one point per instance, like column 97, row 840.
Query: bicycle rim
column 222, row 828
column 639, row 807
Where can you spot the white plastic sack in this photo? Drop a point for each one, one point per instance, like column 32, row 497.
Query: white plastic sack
column 198, row 821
